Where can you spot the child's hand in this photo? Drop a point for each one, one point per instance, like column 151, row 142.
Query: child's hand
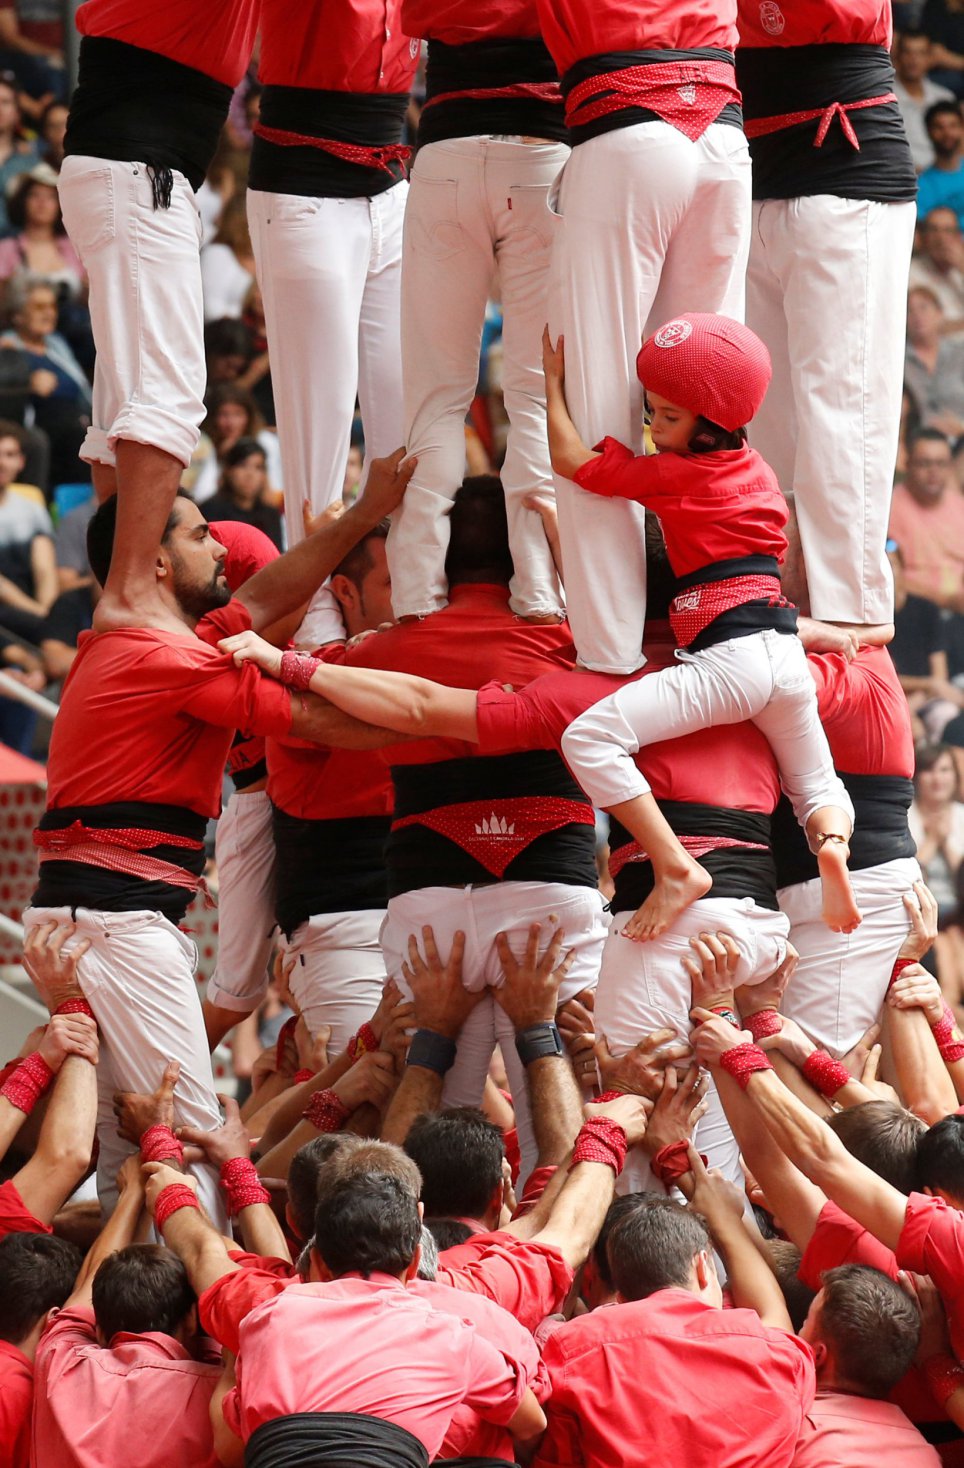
column 553, row 360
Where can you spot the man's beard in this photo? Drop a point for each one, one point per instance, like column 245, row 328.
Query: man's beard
column 196, row 601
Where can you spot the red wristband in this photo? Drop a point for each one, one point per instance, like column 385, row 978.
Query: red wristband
column 170, row 1199
column 943, row 1032
column 899, row 965
column 608, row 1096
column 297, row 669
column 944, row 1376
column 284, row 1035
column 723, row 1011
column 764, row 1023
column 159, row 1144
column 672, row 1162
column 28, row 1083
column 326, row 1112
column 361, row 1044
column 75, row 1006
column 600, row 1140
column 303, row 1075
column 743, row 1061
column 241, row 1183
column 825, row 1074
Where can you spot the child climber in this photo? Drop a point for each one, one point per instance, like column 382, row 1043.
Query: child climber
column 723, row 519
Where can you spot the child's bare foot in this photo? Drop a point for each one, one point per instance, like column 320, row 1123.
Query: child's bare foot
column 840, row 911
column 673, row 893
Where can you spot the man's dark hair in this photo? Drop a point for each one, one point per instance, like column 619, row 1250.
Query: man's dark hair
column 102, row 527
column 654, row 1246
column 37, row 1273
column 785, row 1262
column 479, row 534
column 871, row 1326
column 9, row 429
column 227, row 337
column 304, row 1172
column 912, row 34
column 940, row 1158
column 448, row 1233
column 459, row 1153
column 883, row 1136
column 141, row 1288
column 368, row 1223
column 358, row 562
column 939, row 109
column 621, row 1207
column 928, row 435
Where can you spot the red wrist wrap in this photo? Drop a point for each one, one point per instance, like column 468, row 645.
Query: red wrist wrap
column 304, row 1075
column 326, row 1111
column 75, row 1006
column 825, row 1074
column 159, row 1144
column 672, row 1162
column 765, row 1022
column 600, row 1140
column 297, row 669
column 743, row 1061
column 241, row 1183
column 28, row 1083
column 285, row 1034
column 945, row 1376
column 899, row 965
column 943, row 1033
column 365, row 1041
column 723, row 1011
column 170, row 1199
column 608, row 1096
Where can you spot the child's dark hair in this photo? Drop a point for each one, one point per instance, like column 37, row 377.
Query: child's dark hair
column 710, row 438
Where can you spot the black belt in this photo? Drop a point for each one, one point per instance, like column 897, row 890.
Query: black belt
column 335, row 1440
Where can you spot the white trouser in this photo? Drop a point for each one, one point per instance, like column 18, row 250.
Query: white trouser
column 244, row 852
column 339, row 971
column 138, row 976
column 144, row 269
column 825, row 288
column 763, row 677
column 476, row 207
column 838, row 987
column 652, row 224
column 330, row 274
column 480, row 913
column 643, row 987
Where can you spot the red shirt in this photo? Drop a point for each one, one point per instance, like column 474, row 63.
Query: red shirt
column 336, row 46
column 15, row 1218
column 459, row 22
column 464, row 645
column 369, row 1346
column 864, row 712
column 577, row 28
column 712, row 507
column 671, row 1380
column 527, row 1278
column 144, row 1399
column 843, row 1431
column 216, row 37
column 731, row 765
column 16, row 1400
column 932, row 1242
column 149, row 716
column 815, row 22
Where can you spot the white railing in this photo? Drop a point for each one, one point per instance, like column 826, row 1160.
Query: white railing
column 11, row 688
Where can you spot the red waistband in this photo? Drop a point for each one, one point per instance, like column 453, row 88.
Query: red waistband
column 692, row 611
column 689, row 95
column 135, row 838
column 381, row 157
column 495, row 832
column 524, row 91
column 697, row 846
column 760, row 127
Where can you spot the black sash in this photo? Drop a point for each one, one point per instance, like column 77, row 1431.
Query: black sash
column 335, row 1440
column 737, row 871
column 367, row 119
column 629, row 116
column 484, row 66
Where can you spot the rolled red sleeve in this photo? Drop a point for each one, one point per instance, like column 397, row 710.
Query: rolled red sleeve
column 839, row 1239
column 15, row 1216
column 527, row 1278
column 223, row 1305
column 932, row 1242
column 612, row 473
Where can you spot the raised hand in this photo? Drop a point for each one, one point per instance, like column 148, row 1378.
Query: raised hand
column 248, row 647
column 530, row 991
column 69, row 1034
column 442, row 1003
column 640, row 1071
column 135, row 1111
column 681, row 1104
column 229, row 1140
column 54, row 972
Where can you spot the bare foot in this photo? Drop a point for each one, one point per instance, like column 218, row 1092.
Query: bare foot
column 869, row 634
column 112, row 613
column 672, row 894
column 840, row 911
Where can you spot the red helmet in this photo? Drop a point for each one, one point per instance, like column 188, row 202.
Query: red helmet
column 711, row 365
